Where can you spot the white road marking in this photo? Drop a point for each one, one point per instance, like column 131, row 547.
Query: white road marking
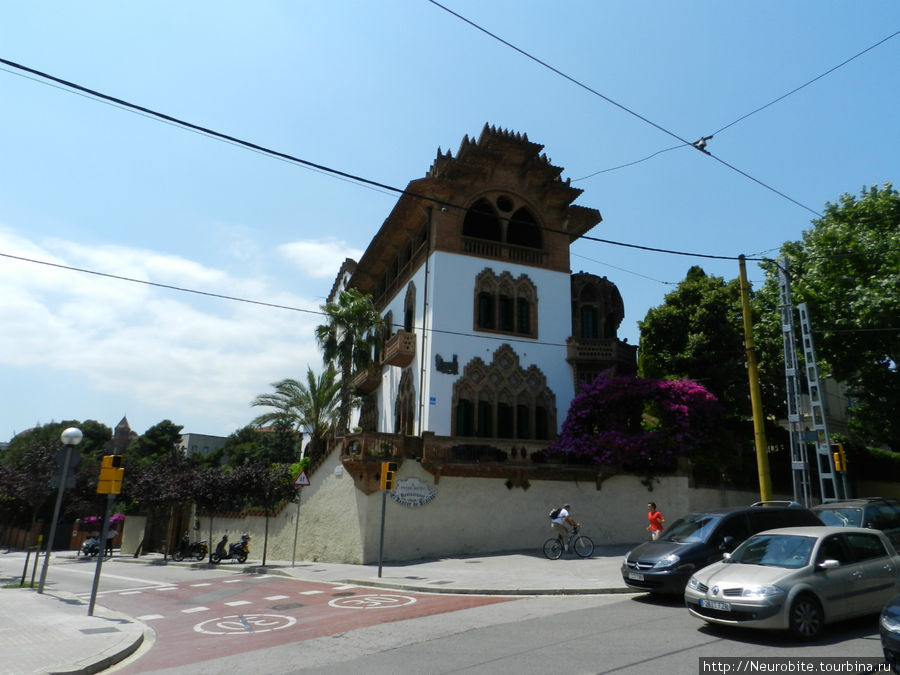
column 277, row 597
column 150, row 617
column 198, row 585
column 343, row 588
column 131, row 592
column 238, row 602
column 195, row 609
column 310, row 592
column 382, row 601
column 245, row 624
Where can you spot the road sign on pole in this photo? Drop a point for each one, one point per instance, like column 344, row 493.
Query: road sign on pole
column 302, row 479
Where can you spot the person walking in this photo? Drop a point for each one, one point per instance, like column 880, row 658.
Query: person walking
column 559, row 523
column 656, row 521
column 112, row 534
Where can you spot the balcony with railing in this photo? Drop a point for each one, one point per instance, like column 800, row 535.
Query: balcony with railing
column 519, row 461
column 486, row 248
column 598, row 354
column 367, row 380
column 400, row 349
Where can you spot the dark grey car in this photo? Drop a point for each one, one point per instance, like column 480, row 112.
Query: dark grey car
column 700, row 539
column 877, row 513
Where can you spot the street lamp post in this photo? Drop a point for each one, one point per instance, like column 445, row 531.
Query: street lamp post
column 70, row 438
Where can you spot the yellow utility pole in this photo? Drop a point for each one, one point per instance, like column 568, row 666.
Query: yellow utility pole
column 759, row 429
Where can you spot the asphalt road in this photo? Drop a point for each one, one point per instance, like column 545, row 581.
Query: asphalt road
column 218, row 620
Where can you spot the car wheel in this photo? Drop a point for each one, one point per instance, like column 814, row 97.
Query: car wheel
column 806, row 619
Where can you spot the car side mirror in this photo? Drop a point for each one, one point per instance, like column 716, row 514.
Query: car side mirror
column 829, row 564
column 726, row 557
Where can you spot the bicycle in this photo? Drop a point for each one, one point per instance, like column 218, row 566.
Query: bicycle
column 580, row 543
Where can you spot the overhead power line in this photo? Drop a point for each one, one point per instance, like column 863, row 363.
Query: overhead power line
column 752, row 112
column 697, row 144
column 169, row 119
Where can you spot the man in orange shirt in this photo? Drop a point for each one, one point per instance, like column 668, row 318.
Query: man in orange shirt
column 656, row 520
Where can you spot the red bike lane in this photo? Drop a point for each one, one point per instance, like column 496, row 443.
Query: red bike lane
column 206, row 619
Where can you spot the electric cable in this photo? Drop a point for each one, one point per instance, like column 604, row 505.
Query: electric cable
column 196, row 128
column 624, row 108
column 752, row 112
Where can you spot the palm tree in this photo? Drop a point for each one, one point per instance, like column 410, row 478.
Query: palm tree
column 311, row 407
column 346, row 340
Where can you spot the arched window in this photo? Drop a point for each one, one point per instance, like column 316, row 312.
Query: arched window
column 482, row 222
column 503, row 400
column 505, row 304
column 409, row 308
column 405, row 405
column 589, row 323
column 368, row 414
column 523, row 230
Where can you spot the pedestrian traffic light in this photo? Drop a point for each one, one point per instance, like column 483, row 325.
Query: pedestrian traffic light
column 388, row 469
column 111, row 474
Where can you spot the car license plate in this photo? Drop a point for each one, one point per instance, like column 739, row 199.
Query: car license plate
column 637, row 576
column 715, row 604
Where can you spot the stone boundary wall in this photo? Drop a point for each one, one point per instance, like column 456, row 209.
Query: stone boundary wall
column 456, row 516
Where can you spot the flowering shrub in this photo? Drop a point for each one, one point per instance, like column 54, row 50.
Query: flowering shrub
column 91, row 522
column 638, row 424
column 116, row 519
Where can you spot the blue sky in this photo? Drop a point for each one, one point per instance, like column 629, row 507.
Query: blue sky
column 374, row 89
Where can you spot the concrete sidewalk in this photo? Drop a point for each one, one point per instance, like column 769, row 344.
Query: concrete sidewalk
column 52, row 633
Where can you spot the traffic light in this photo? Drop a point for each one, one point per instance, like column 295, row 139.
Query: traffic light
column 840, row 459
column 111, row 474
column 388, row 469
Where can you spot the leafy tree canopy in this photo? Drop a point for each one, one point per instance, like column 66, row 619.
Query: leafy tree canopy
column 697, row 333
column 157, row 443
column 347, row 339
column 847, row 268
column 276, row 444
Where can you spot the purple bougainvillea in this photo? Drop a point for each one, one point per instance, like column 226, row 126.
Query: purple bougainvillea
column 636, row 423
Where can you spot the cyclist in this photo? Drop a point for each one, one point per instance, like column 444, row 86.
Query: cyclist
column 559, row 524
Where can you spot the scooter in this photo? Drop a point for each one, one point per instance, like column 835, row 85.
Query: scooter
column 238, row 551
column 91, row 547
column 187, row 549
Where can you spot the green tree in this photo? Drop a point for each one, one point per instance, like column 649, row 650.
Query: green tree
column 158, row 442
column 847, row 268
column 697, row 334
column 311, row 407
column 278, row 444
column 346, row 340
column 269, row 486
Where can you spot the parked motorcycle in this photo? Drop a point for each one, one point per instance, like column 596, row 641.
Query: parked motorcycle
column 188, row 549
column 238, row 551
column 90, row 547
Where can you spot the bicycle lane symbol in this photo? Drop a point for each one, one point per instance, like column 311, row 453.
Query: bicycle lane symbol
column 245, row 624
column 379, row 601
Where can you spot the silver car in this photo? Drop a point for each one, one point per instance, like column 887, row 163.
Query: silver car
column 797, row 579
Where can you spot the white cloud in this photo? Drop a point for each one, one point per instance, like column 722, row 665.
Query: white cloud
column 320, row 258
column 197, row 359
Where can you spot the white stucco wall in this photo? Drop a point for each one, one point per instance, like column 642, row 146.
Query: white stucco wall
column 338, row 523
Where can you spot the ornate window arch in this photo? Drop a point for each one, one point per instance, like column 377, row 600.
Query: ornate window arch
column 481, row 222
column 409, row 308
column 504, row 304
column 523, row 229
column 405, row 405
column 597, row 307
column 368, row 414
column 503, row 400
